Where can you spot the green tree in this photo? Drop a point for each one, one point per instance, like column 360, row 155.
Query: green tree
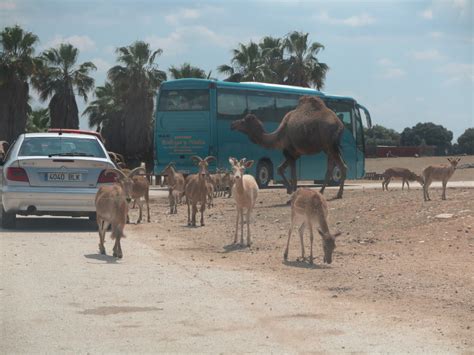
column 17, row 65
column 57, row 79
column 247, row 64
column 105, row 113
column 136, row 79
column 187, row 71
column 380, row 135
column 38, row 120
column 304, row 68
column 430, row 134
column 466, row 141
column 275, row 67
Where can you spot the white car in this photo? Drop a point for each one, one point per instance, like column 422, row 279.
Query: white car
column 53, row 174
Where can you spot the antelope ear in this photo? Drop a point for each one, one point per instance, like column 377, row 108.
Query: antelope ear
column 449, row 159
column 248, row 164
column 232, row 161
column 196, row 159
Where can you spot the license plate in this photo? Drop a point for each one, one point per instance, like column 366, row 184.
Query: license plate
column 64, row 177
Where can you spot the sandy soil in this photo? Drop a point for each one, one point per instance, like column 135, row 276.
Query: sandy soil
column 394, row 254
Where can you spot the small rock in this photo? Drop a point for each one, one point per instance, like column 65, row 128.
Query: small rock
column 444, row 216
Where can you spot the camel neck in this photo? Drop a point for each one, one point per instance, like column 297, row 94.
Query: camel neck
column 266, row 140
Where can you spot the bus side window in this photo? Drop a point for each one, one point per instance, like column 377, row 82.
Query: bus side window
column 231, row 105
column 262, row 106
column 285, row 104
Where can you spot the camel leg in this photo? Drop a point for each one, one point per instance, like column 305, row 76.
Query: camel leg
column 330, row 167
column 281, row 171
column 342, row 166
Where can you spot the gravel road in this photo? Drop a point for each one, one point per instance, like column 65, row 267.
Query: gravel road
column 58, row 295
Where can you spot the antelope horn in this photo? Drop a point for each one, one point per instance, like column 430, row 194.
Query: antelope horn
column 118, row 172
column 210, row 158
column 136, row 171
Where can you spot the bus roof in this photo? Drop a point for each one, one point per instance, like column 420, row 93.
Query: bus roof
column 193, row 83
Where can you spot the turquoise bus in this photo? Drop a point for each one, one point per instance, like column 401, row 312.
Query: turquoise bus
column 193, row 117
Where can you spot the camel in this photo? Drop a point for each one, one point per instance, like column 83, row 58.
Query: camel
column 310, row 128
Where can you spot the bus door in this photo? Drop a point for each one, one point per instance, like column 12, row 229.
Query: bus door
column 183, row 127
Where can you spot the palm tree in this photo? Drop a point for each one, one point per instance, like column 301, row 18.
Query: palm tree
column 304, row 69
column 106, row 113
column 272, row 57
column 57, row 78
column 187, row 71
column 17, row 64
column 137, row 79
column 38, row 120
column 247, row 64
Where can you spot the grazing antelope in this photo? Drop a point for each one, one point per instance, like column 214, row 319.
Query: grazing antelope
column 310, row 206
column 196, row 189
column 245, row 191
column 176, row 183
column 438, row 173
column 405, row 174
column 111, row 202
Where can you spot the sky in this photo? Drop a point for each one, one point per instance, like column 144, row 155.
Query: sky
column 406, row 61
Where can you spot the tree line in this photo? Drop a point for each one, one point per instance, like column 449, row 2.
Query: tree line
column 426, row 133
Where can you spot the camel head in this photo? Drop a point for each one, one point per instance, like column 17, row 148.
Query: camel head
column 250, row 124
column 329, row 244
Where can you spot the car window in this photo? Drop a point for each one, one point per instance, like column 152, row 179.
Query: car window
column 61, row 146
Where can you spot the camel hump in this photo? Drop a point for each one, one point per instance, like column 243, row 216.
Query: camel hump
column 315, row 102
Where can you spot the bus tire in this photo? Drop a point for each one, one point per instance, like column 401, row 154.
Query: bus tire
column 336, row 176
column 8, row 219
column 264, row 173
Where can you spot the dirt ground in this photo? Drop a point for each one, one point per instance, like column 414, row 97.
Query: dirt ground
column 394, row 253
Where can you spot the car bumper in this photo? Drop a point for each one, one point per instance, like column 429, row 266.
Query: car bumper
column 19, row 199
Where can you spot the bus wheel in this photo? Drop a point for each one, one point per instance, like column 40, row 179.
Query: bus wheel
column 336, row 176
column 264, row 173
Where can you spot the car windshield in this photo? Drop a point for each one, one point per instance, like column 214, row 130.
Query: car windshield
column 61, row 146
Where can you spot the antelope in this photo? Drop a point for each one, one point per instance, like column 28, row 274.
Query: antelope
column 140, row 188
column 245, row 191
column 310, row 206
column 438, row 173
column 111, row 202
column 176, row 183
column 3, row 149
column 196, row 189
column 405, row 174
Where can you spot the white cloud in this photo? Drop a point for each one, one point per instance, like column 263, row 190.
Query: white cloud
column 427, row 14
column 457, row 72
column 102, row 65
column 353, row 21
column 429, row 54
column 437, row 35
column 7, row 5
column 393, row 73
column 182, row 14
column 390, row 69
column 178, row 41
column 83, row 43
